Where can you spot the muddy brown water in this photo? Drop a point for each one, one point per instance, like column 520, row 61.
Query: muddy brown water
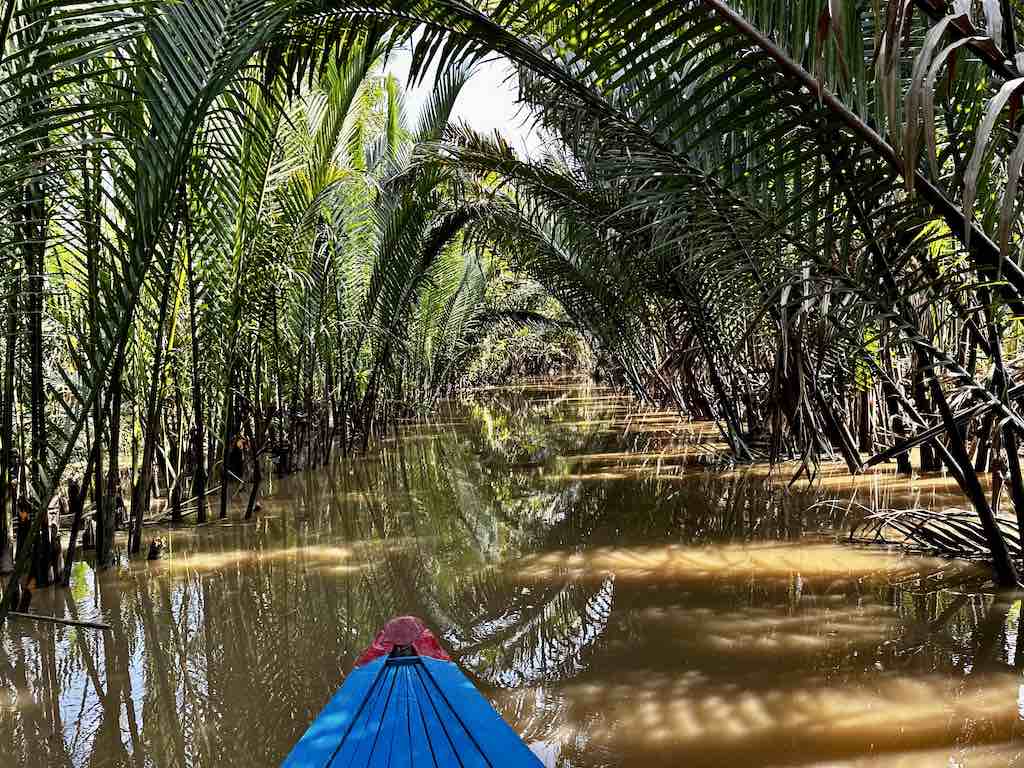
column 621, row 598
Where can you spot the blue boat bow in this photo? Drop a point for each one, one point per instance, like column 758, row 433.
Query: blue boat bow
column 403, row 708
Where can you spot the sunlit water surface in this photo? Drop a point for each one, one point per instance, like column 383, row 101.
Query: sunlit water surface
column 620, row 597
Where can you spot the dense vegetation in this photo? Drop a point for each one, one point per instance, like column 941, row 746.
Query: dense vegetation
column 298, row 282
column 224, row 235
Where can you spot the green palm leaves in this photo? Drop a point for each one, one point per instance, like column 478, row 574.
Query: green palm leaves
column 772, row 213
column 760, row 203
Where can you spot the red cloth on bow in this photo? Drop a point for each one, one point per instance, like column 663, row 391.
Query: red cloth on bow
column 404, row 630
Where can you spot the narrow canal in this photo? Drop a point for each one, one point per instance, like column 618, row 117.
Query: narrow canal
column 620, row 597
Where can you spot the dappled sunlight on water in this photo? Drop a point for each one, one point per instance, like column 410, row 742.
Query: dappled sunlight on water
column 659, row 462
column 623, row 595
column 768, row 632
column 680, row 720
column 353, row 556
column 770, row 560
column 1009, row 755
column 585, row 477
column 213, row 561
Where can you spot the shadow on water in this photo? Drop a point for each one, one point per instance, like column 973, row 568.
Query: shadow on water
column 622, row 598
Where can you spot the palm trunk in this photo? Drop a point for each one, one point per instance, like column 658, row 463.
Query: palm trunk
column 35, row 246
column 1002, row 383
column 1002, row 564
column 278, row 399
column 896, row 417
column 103, row 548
column 140, row 496
column 257, row 433
column 225, row 476
column 76, row 504
column 105, row 528
column 176, row 452
column 76, row 497
column 866, row 442
column 199, row 434
column 7, row 424
column 981, row 455
column 343, row 413
column 328, row 410
column 929, row 460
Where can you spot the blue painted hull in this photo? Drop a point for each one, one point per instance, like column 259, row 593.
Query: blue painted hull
column 408, row 712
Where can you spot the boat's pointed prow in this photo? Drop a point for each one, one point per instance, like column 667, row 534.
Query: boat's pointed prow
column 407, row 704
column 404, row 635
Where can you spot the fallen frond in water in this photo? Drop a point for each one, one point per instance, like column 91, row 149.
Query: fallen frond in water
column 951, row 532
